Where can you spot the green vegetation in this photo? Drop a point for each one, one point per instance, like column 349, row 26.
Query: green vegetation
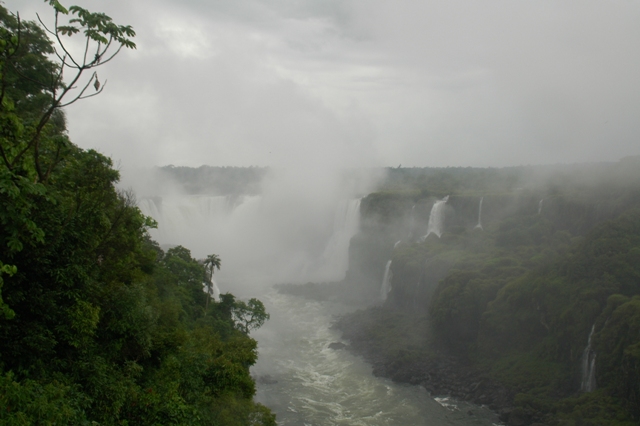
column 516, row 301
column 97, row 324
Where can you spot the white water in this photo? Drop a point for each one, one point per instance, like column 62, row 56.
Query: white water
column 540, row 206
column 412, row 222
column 588, row 383
column 336, row 254
column 215, row 290
column 479, row 225
column 281, row 242
column 436, row 218
column 386, row 282
column 307, row 383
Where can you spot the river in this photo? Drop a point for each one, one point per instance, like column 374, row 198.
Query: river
column 307, row 383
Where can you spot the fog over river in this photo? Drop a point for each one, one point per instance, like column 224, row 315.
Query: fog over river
column 298, row 231
column 307, row 383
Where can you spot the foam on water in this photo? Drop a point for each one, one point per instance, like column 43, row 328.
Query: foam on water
column 317, row 385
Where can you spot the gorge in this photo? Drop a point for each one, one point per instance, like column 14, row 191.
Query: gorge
column 502, row 317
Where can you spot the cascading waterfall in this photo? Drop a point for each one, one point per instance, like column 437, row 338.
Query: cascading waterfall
column 178, row 217
column 436, row 218
column 336, row 253
column 386, row 279
column 412, row 221
column 257, row 230
column 479, row 225
column 588, row 383
column 540, row 206
column 386, row 282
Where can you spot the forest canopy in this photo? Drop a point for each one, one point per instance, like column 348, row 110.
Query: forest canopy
column 97, row 323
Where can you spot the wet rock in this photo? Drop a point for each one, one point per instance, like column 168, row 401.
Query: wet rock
column 439, row 374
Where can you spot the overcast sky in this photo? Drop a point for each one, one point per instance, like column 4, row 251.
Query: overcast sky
column 365, row 82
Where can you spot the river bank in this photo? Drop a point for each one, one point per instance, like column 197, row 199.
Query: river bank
column 413, row 360
column 305, row 379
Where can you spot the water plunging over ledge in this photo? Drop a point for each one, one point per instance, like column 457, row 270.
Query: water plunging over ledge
column 436, row 218
column 588, row 382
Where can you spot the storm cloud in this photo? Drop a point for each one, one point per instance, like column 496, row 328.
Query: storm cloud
column 365, row 83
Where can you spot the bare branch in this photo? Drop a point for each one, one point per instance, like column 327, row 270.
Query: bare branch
column 44, row 26
column 63, row 59
column 57, row 36
column 112, row 56
column 82, row 96
column 83, row 89
column 86, row 50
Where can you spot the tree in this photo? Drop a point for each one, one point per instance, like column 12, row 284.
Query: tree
column 27, row 139
column 210, row 264
column 33, row 91
column 103, row 326
column 249, row 316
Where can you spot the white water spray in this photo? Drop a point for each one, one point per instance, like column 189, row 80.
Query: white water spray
column 540, row 206
column 386, row 282
column 588, row 383
column 280, row 240
column 436, row 218
column 336, row 253
column 479, row 225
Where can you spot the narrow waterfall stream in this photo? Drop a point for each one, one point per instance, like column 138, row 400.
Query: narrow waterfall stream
column 588, row 383
column 479, row 225
column 385, row 288
column 305, row 382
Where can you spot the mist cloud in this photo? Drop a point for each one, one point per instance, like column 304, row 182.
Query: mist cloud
column 366, row 83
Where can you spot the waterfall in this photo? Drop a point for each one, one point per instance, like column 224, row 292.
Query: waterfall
column 479, row 225
column 215, row 290
column 336, row 253
column 436, row 218
column 182, row 217
column 270, row 238
column 412, row 221
column 540, row 206
column 588, row 383
column 386, row 282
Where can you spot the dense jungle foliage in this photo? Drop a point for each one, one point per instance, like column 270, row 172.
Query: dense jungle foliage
column 97, row 324
column 552, row 264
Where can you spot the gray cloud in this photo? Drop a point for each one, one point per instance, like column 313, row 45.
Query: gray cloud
column 367, row 83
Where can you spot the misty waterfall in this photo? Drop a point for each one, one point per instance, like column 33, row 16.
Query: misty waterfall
column 588, row 364
column 436, row 218
column 283, row 243
column 386, row 281
column 479, row 225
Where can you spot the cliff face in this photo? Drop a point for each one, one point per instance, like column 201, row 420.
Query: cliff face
column 538, row 292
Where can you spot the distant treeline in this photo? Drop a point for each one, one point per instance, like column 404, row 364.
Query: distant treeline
column 547, row 178
column 211, row 180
